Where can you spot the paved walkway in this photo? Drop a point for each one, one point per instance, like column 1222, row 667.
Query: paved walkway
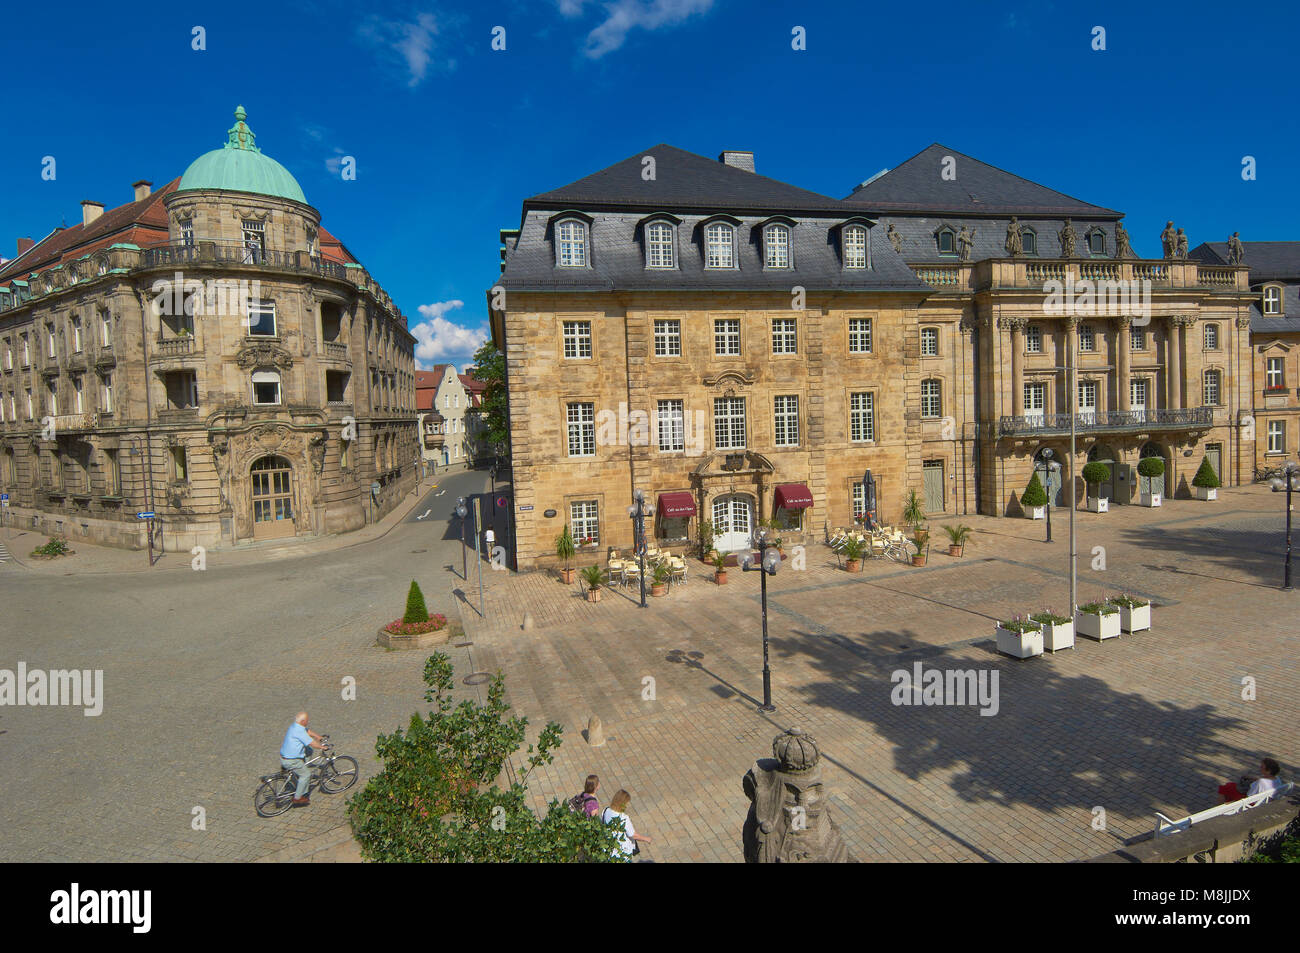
column 1153, row 721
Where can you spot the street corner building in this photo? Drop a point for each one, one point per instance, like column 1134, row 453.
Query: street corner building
column 744, row 351
column 207, row 352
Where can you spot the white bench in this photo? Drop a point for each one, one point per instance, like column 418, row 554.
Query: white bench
column 1165, row 825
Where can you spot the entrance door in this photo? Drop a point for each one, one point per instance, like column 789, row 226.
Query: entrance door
column 1137, row 398
column 733, row 523
column 1087, row 403
column 1152, row 485
column 272, row 498
column 932, row 472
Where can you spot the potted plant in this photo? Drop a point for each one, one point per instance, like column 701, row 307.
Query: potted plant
column 853, row 550
column 565, row 549
column 1058, row 630
column 1022, row 638
column 660, row 576
column 922, row 550
column 1206, row 481
column 1094, row 474
column 1134, row 613
column 594, row 577
column 1034, row 499
column 1150, row 467
column 719, row 569
column 958, row 536
column 1097, row 620
column 914, row 516
column 707, row 552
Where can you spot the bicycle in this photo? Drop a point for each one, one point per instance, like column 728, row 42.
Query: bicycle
column 331, row 774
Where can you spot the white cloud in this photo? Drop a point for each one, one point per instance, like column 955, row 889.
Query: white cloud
column 571, row 8
column 411, row 42
column 624, row 16
column 440, row 341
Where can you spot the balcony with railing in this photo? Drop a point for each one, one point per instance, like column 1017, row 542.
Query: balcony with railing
column 181, row 346
column 1113, row 421
column 233, row 253
column 69, row 423
column 1034, row 273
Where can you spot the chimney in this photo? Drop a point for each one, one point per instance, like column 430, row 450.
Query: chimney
column 738, row 160
column 91, row 211
column 142, row 189
column 24, row 244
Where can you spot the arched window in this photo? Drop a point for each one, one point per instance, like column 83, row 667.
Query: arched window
column 776, row 246
column 1097, row 242
column 1029, row 240
column 266, row 387
column 659, row 251
column 855, row 246
column 571, row 244
column 719, row 246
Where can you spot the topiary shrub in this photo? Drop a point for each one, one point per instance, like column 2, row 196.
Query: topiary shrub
column 415, row 608
column 1151, row 466
column 1095, row 472
column 1034, row 495
column 1205, row 477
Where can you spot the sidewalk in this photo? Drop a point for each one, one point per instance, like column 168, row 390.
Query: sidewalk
column 89, row 558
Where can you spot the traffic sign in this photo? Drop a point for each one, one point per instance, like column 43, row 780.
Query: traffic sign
column 144, row 516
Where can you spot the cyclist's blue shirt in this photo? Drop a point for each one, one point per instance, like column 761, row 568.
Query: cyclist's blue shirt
column 296, row 742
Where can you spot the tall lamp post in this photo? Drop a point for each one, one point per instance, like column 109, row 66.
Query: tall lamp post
column 462, row 511
column 638, row 512
column 1290, row 480
column 1050, row 466
column 769, row 560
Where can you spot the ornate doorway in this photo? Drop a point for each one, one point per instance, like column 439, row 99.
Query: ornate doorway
column 272, row 485
column 733, row 523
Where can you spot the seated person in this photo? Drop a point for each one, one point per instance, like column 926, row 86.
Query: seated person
column 1267, row 781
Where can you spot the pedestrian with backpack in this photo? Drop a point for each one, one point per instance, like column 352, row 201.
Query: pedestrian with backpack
column 585, row 802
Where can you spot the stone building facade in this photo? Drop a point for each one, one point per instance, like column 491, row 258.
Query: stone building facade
column 743, row 350
column 208, row 353
column 451, row 433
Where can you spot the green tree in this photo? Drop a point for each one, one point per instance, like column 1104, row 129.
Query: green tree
column 415, row 608
column 490, row 368
column 1034, row 494
column 1205, row 476
column 431, row 803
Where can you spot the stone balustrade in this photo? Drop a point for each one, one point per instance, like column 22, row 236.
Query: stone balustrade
column 1031, row 273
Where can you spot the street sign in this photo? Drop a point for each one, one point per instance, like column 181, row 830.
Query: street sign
column 525, row 509
column 144, row 516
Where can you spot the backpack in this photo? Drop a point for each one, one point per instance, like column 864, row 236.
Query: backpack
column 578, row 803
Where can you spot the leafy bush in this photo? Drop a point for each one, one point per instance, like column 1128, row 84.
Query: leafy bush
column 1151, row 466
column 913, row 511
column 429, row 802
column 1034, row 495
column 959, row 534
column 1095, row 472
column 854, row 548
column 661, row 573
column 707, row 537
column 57, row 546
column 720, row 562
column 1205, row 476
column 415, row 609
column 593, row 576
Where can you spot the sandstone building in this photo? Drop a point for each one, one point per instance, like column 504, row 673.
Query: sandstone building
column 451, row 436
column 207, row 352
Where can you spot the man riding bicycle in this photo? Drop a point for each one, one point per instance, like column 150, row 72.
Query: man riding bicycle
column 294, row 750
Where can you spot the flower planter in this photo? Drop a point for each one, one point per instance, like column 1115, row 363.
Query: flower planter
column 1020, row 644
column 1206, row 492
column 853, row 565
column 419, row 641
column 593, row 595
column 658, row 588
column 720, row 577
column 1098, row 626
column 1098, row 504
column 1135, row 619
column 954, row 550
column 1149, row 499
column 1057, row 636
column 1036, row 512
column 918, row 560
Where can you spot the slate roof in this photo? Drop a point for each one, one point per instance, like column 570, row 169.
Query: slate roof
column 978, row 189
column 1267, row 261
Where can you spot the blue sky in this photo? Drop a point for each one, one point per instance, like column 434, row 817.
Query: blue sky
column 449, row 136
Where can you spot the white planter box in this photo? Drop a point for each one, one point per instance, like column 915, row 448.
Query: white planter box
column 1057, row 637
column 1206, row 492
column 1097, row 626
column 1135, row 619
column 1021, row 646
column 1098, row 505
column 1149, row 499
column 1035, row 512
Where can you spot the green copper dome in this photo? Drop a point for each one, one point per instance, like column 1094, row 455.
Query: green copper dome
column 241, row 167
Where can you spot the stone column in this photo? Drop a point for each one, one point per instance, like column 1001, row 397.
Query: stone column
column 1124, row 358
column 1174, row 364
column 1017, row 327
column 1071, row 357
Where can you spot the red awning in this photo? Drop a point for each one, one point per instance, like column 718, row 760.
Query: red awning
column 793, row 496
column 676, row 505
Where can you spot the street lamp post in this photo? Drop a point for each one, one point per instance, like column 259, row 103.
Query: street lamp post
column 769, row 560
column 462, row 511
column 638, row 511
column 1290, row 480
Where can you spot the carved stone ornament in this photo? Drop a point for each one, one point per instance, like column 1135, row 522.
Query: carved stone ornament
column 1013, row 323
column 264, row 354
column 789, row 817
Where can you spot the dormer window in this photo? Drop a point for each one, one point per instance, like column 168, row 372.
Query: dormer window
column 659, row 250
column 1273, row 300
column 855, row 246
column 946, row 240
column 776, row 246
column 1029, row 240
column 1097, row 242
column 571, row 244
column 187, row 232
column 719, row 245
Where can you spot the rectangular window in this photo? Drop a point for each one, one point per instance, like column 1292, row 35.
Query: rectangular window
column 777, row 246
column 929, row 342
column 52, row 395
column 859, row 335
column 105, row 329
column 729, row 423
column 1211, row 389
column 573, row 244
column 931, row 399
column 1137, row 339
column 583, row 517
column 718, row 250
column 1274, row 379
column 254, row 242
column 49, row 340
column 187, row 232
column 30, row 408
column 668, row 338
column 112, row 473
column 106, row 393
column 659, row 245
column 261, row 318
column 784, row 336
column 78, row 406
column 26, row 354
column 266, row 388
column 577, row 339
column 9, row 356
column 726, row 337
column 855, row 247
column 1277, row 436
column 672, row 425
column 1035, row 400
column 1087, row 402
column 1137, row 397
column 859, row 499
column 862, row 416
column 582, row 430
column 336, row 386
column 180, row 466
column 182, row 390
column 76, row 335
column 785, row 424
column 1034, row 339
column 1273, row 300
column 1211, row 335
column 1087, row 342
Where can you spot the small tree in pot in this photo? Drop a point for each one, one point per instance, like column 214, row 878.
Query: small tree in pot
column 1150, row 467
column 1206, row 481
column 1094, row 474
column 958, row 536
column 853, row 550
column 1034, row 499
column 914, row 516
column 564, row 548
column 594, row 577
column 720, row 569
column 661, row 574
column 707, row 535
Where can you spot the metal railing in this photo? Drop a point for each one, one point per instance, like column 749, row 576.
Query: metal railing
column 233, row 252
column 1092, row 421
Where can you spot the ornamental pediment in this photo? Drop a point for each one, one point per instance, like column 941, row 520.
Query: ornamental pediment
column 264, row 354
